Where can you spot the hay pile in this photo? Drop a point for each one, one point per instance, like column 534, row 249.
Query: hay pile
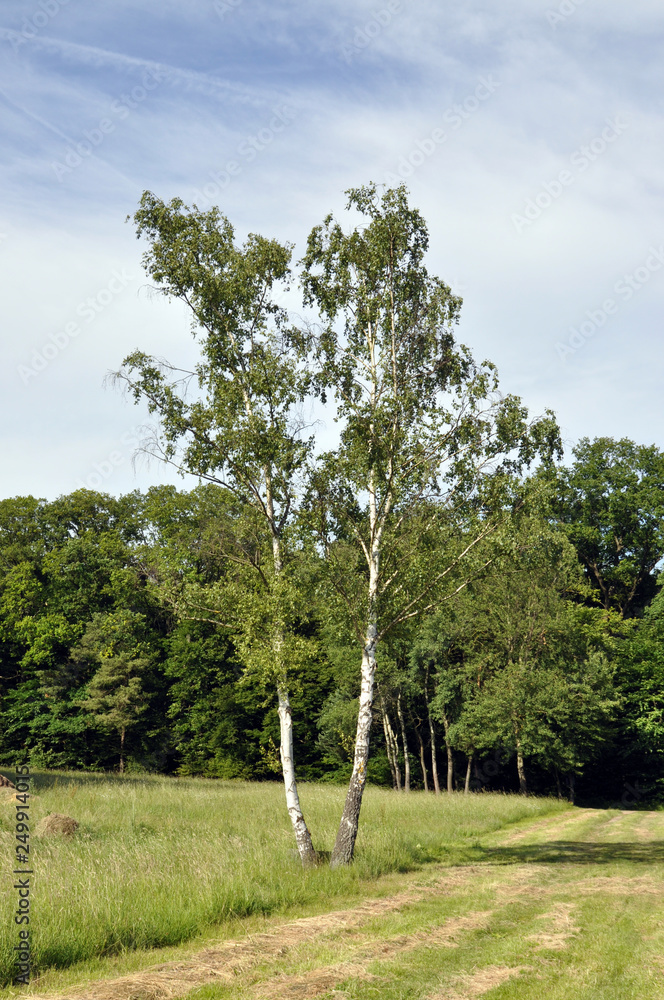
column 56, row 824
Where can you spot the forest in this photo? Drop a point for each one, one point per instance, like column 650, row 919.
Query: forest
column 440, row 602
column 547, row 669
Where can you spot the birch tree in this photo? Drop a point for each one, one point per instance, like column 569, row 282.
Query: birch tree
column 421, row 424
column 232, row 419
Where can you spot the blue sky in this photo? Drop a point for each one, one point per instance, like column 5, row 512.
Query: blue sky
column 529, row 133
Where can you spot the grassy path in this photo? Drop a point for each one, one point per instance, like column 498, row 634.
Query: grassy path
column 569, row 906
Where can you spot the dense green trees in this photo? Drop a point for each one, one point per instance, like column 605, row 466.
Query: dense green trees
column 522, row 641
column 83, row 566
column 412, row 606
column 116, row 695
column 612, row 504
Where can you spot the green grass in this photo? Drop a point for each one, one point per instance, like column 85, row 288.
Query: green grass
column 157, row 862
column 570, row 912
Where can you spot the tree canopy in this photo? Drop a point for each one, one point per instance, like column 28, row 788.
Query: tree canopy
column 437, row 601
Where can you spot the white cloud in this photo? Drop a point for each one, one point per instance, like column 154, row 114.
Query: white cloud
column 352, row 122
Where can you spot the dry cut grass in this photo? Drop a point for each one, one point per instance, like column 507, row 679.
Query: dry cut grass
column 156, row 861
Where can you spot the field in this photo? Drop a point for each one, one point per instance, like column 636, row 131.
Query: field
column 451, row 897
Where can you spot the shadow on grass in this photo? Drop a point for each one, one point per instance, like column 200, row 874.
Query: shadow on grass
column 41, row 781
column 574, row 852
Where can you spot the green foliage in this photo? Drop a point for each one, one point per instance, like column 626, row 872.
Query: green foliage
column 85, row 567
column 114, row 644
column 230, row 419
column 164, row 621
column 612, row 505
column 21, row 538
column 641, row 663
column 207, row 714
column 427, row 441
column 212, row 721
column 337, row 723
column 517, row 666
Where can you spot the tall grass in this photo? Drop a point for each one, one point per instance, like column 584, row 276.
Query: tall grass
column 157, row 860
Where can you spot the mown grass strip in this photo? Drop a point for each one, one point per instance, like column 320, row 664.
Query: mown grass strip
column 158, row 861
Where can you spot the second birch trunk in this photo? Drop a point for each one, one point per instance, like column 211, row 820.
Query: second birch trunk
column 344, row 845
column 406, row 757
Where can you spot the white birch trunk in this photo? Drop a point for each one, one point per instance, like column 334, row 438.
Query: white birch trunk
column 434, row 762
column 450, row 755
column 302, row 835
column 422, row 761
column 406, row 757
column 394, row 743
column 305, row 846
column 466, row 787
column 344, row 844
column 521, row 769
column 432, row 735
column 389, row 745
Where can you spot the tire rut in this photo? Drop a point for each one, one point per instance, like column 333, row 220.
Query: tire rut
column 238, row 962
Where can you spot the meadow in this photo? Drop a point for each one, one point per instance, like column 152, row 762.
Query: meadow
column 161, row 861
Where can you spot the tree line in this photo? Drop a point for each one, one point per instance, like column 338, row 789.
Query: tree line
column 436, row 602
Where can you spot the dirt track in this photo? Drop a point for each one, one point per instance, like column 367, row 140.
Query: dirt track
column 553, row 863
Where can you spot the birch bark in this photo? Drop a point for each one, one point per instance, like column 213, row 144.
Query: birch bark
column 432, row 734
column 302, row 836
column 422, row 761
column 344, row 845
column 391, row 747
column 450, row 755
column 303, row 840
column 521, row 769
column 466, row 787
column 406, row 757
